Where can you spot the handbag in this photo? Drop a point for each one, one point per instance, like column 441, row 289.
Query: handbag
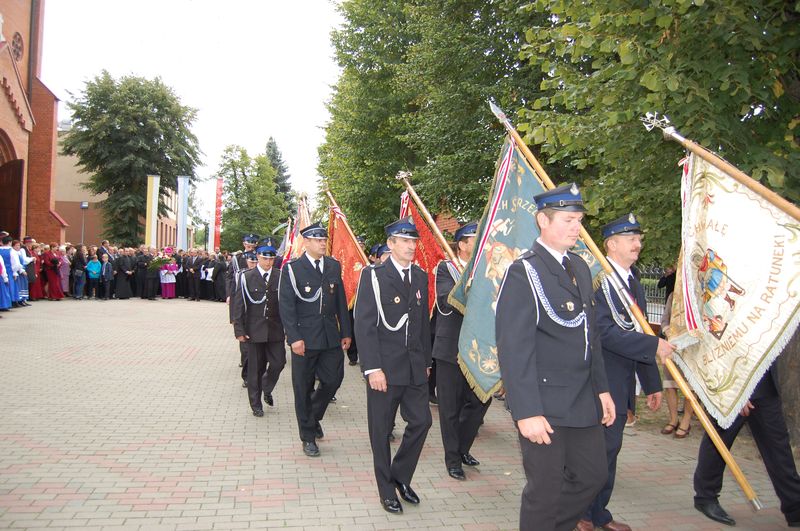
column 78, row 273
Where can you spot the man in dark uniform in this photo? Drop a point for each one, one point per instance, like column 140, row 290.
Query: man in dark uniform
column 152, row 277
column 237, row 266
column 627, row 351
column 314, row 314
column 460, row 410
column 257, row 325
column 140, row 263
column 549, row 353
column 393, row 328
column 764, row 413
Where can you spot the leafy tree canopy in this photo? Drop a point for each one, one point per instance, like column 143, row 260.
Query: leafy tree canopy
column 251, row 202
column 122, row 131
column 724, row 72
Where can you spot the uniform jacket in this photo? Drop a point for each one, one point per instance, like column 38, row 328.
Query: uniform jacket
column 448, row 319
column 321, row 324
column 237, row 265
column 626, row 353
column 262, row 322
column 403, row 355
column 549, row 369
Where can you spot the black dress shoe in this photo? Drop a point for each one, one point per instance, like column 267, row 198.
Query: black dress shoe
column 244, row 383
column 433, row 400
column 407, row 493
column 318, row 433
column 310, row 449
column 392, row 438
column 258, row 412
column 392, row 505
column 333, row 399
column 268, row 399
column 469, row 460
column 351, row 363
column 715, row 511
column 456, row 473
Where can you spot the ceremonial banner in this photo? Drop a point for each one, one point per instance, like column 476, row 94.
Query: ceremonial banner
column 345, row 249
column 404, row 204
column 217, row 215
column 428, row 253
column 151, row 213
column 182, row 214
column 296, row 245
column 737, row 293
column 507, row 229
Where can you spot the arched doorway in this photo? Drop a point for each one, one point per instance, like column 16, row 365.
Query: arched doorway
column 11, row 173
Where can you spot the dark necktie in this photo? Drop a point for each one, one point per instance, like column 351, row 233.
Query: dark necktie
column 406, row 278
column 266, row 277
column 316, row 266
column 568, row 268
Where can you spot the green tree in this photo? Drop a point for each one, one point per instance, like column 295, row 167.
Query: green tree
column 724, row 72
column 122, row 131
column 416, row 77
column 282, row 176
column 251, row 202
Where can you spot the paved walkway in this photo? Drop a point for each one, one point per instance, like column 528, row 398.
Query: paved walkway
column 130, row 415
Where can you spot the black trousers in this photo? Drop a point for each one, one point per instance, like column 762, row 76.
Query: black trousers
column 193, row 283
column 352, row 352
column 460, row 412
column 563, row 477
column 771, row 436
column 381, row 411
column 310, row 405
column 140, row 278
column 243, row 359
column 266, row 361
column 598, row 513
column 151, row 287
column 105, row 288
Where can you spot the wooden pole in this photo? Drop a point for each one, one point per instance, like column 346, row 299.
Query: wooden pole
column 349, row 230
column 636, row 312
column 403, row 177
column 738, row 175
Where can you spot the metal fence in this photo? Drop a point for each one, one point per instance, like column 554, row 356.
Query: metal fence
column 655, row 295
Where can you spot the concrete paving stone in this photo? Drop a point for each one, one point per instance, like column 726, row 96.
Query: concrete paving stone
column 187, row 453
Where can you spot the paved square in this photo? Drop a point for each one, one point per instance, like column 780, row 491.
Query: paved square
column 131, row 415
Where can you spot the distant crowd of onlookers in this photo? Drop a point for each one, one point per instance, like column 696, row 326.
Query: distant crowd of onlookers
column 31, row 271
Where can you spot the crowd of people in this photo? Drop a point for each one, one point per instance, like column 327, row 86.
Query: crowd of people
column 33, row 271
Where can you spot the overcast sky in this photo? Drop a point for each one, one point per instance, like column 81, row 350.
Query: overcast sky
column 252, row 68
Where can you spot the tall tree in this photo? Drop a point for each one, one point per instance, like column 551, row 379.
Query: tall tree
column 282, row 176
column 122, row 131
column 251, row 202
column 724, row 72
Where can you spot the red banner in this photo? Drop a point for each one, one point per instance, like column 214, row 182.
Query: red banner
column 429, row 253
column 346, row 251
column 218, row 214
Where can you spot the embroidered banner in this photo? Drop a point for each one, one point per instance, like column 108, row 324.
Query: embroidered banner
column 507, row 229
column 428, row 253
column 346, row 251
column 737, row 293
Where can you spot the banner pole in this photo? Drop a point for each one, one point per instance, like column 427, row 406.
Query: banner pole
column 403, row 177
column 347, row 226
column 651, row 120
column 636, row 312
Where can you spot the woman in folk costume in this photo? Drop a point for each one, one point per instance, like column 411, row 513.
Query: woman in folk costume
column 5, row 293
column 11, row 264
column 35, row 284
column 22, row 277
column 51, row 262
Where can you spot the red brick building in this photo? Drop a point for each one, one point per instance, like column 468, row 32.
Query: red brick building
column 28, row 127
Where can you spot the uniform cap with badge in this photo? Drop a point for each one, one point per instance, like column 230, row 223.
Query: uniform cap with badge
column 266, row 247
column 403, row 228
column 627, row 224
column 250, row 256
column 314, row 232
column 250, row 238
column 382, row 250
column 566, row 198
column 467, row 231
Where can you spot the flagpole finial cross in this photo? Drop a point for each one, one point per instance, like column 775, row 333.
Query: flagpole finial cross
column 652, row 120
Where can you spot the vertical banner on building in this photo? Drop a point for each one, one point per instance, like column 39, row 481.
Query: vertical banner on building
column 218, row 214
column 151, row 215
column 183, row 211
